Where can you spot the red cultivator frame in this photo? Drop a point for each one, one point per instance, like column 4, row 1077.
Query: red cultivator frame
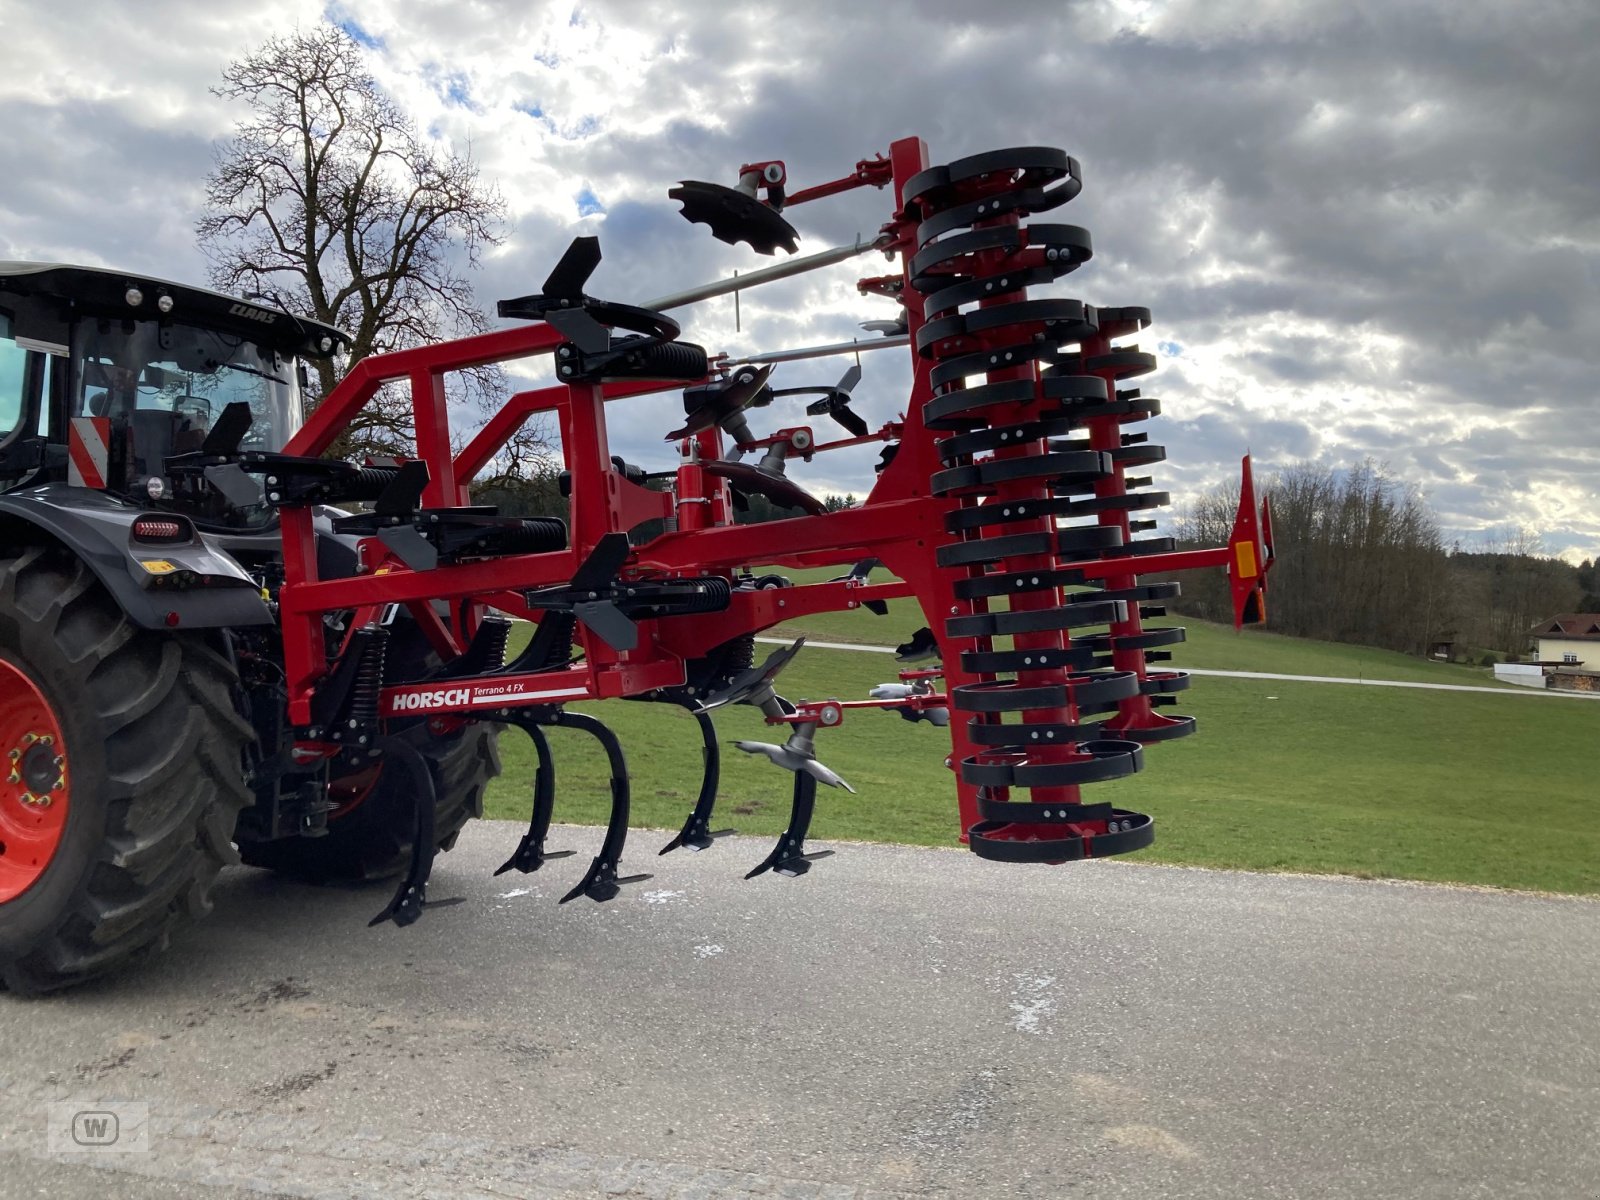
column 1006, row 504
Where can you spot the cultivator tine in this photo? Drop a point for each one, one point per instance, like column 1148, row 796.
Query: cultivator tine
column 601, row 882
column 562, row 303
column 530, row 854
column 799, row 755
column 697, row 833
column 411, row 897
column 789, row 856
column 835, row 402
column 608, row 622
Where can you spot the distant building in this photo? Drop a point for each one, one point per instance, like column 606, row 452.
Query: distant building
column 1567, row 649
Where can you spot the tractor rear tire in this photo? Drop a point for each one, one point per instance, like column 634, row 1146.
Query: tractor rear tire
column 373, row 840
column 146, row 790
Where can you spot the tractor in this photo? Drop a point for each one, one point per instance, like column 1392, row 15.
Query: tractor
column 142, row 700
column 218, row 643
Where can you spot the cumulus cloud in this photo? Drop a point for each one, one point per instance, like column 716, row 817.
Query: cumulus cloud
column 1364, row 230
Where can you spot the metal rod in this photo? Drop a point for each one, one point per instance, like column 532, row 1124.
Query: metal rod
column 852, row 347
column 794, row 266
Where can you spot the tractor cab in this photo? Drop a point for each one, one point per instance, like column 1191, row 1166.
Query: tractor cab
column 153, row 365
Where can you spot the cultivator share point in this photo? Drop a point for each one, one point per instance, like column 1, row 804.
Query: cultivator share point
column 357, row 664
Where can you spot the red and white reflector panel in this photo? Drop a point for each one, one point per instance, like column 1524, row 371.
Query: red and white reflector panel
column 89, row 452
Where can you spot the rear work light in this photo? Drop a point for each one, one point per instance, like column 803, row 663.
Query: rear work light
column 161, row 530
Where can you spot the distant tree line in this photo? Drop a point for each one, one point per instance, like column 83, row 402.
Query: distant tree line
column 1507, row 587
column 1361, row 559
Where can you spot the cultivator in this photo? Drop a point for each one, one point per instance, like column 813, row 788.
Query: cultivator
column 1007, row 503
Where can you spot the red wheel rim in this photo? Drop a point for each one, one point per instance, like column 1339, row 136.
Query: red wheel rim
column 347, row 793
column 33, row 783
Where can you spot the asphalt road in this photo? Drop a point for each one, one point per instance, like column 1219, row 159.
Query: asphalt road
column 900, row 1022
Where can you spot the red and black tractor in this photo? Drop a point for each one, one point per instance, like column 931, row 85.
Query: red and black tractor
column 216, row 643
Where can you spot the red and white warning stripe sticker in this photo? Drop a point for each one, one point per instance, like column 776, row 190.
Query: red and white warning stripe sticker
column 89, row 452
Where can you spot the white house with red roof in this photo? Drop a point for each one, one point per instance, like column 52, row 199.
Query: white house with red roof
column 1567, row 649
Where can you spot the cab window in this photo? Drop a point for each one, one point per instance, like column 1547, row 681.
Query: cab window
column 13, row 377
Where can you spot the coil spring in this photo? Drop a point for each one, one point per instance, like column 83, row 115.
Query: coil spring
column 714, row 596
column 741, row 654
column 496, row 635
column 715, row 670
column 1080, row 702
column 372, row 648
column 663, row 360
column 532, row 536
column 563, row 629
column 367, row 483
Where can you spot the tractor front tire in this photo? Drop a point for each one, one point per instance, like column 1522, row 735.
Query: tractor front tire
column 372, row 840
column 142, row 770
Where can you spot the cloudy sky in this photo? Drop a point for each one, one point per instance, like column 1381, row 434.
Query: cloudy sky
column 1365, row 229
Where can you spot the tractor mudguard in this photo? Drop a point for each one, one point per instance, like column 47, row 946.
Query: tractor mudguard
column 96, row 529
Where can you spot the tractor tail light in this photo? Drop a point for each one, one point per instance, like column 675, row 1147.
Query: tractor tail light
column 162, row 530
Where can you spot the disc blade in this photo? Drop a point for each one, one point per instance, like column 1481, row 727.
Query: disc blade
column 734, row 217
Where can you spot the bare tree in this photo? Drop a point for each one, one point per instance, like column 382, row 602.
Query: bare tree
column 328, row 201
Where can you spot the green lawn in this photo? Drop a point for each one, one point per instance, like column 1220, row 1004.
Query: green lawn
column 1492, row 789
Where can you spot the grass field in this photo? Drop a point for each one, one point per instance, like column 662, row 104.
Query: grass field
column 1493, row 789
